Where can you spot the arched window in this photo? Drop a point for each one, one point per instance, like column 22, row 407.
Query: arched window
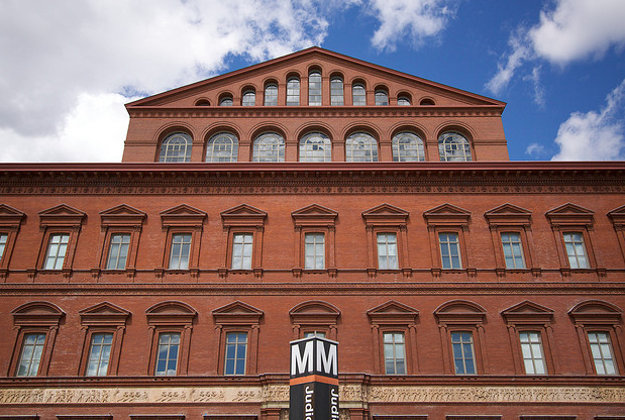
column 403, row 101
column 222, row 147
column 336, row 90
column 315, row 147
column 249, row 98
column 381, row 97
column 361, row 147
column 269, row 147
column 202, row 102
column 314, row 88
column 359, row 95
column 407, row 147
column 292, row 91
column 176, row 148
column 271, row 94
column 454, row 147
column 226, row 100
column 426, row 102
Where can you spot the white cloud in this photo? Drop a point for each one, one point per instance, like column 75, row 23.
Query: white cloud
column 595, row 135
column 573, row 30
column 60, row 58
column 412, row 19
column 535, row 150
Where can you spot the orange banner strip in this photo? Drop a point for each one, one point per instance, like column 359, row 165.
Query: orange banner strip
column 314, row 378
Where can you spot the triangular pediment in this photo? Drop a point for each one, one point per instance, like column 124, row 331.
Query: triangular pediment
column 61, row 215
column 508, row 210
column 393, row 312
column 104, row 309
column 237, row 313
column 617, row 215
column 570, row 214
column 122, row 210
column 526, row 308
column 10, row 216
column 527, row 312
column 243, row 210
column 207, row 92
column 183, row 210
column 447, row 214
column 243, row 215
column 385, row 210
column 314, row 210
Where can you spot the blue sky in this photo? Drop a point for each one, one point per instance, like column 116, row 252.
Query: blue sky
column 69, row 65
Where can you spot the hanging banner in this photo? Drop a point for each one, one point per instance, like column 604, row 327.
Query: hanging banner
column 314, row 379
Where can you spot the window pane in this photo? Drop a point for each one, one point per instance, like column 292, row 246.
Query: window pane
column 453, row 147
column 336, row 91
column 601, row 350
column 394, row 354
column 167, row 354
column 176, row 148
column 271, row 95
column 359, row 95
column 222, row 147
column 512, row 250
column 575, row 249
column 55, row 256
column 315, row 147
column 269, row 147
column 407, row 147
column 236, row 347
column 99, row 354
column 242, row 251
column 450, row 251
column 387, row 251
column 226, row 101
column 3, row 243
column 381, row 97
column 292, row 92
column 314, row 249
column 403, row 101
column 118, row 252
column 249, row 98
column 462, row 346
column 180, row 248
column 314, row 88
column 32, row 349
column 361, row 147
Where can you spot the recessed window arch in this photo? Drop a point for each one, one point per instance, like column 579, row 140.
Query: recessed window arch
column 249, row 97
column 222, row 147
column 226, row 100
column 427, row 102
column 454, row 147
column 407, row 147
column 202, row 102
column 315, row 147
column 359, row 94
column 268, row 147
column 361, row 147
column 336, row 90
column 381, row 96
column 271, row 94
column 314, row 87
column 176, row 147
column 292, row 91
column 404, row 99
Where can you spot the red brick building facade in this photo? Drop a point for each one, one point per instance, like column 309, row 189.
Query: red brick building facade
column 313, row 194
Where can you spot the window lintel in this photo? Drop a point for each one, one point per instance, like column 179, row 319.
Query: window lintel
column 393, row 313
column 62, row 216
column 447, row 215
column 508, row 215
column 314, row 313
column 385, row 215
column 103, row 314
column 171, row 313
column 596, row 312
column 460, row 312
column 122, row 215
column 37, row 314
column 570, row 215
column 183, row 215
column 314, row 215
column 528, row 313
column 237, row 313
column 243, row 215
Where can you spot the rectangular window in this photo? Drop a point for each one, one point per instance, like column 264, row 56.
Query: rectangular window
column 315, row 251
column 575, row 249
column 462, row 344
column 167, row 356
column 180, row 249
column 532, row 349
column 57, row 247
column 394, row 353
column 242, row 251
column 601, row 350
column 450, row 251
column 512, row 250
column 3, row 243
column 32, row 349
column 118, row 252
column 387, row 251
column 236, row 348
column 99, row 354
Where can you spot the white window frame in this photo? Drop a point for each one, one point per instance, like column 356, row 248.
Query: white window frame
column 602, row 351
column 268, row 147
column 176, row 148
column 449, row 245
column 337, row 91
column 271, row 94
column 514, row 260
column 454, row 147
column 359, row 94
column 387, row 251
column 222, row 147
column 293, row 91
column 58, row 243
column 179, row 242
column 314, row 251
column 391, row 346
column 248, row 98
column 572, row 247
column 381, row 97
column 118, row 251
column 238, row 345
column 532, row 352
column 169, row 345
column 98, row 360
column 365, row 144
column 34, row 356
column 408, row 147
column 463, row 355
column 314, row 94
column 310, row 145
